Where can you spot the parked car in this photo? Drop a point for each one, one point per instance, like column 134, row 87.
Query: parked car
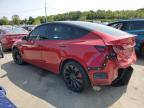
column 83, row 53
column 8, row 35
column 135, row 27
column 29, row 27
column 1, row 52
column 4, row 101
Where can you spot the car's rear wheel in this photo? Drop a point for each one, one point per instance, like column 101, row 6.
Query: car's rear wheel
column 75, row 76
column 123, row 78
column 1, row 51
column 17, row 56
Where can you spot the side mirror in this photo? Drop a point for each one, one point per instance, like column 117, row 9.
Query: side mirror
column 25, row 38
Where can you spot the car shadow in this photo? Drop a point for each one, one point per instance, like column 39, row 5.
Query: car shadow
column 51, row 88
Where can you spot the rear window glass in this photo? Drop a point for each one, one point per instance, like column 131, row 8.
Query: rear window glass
column 111, row 31
column 16, row 31
column 106, row 29
column 102, row 28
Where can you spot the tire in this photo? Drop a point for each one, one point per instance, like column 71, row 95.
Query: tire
column 17, row 57
column 75, row 76
column 1, row 51
column 123, row 78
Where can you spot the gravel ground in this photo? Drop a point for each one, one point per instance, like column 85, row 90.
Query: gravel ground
column 31, row 87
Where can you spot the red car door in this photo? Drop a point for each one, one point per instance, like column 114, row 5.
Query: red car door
column 52, row 47
column 51, row 55
column 32, row 49
column 58, row 35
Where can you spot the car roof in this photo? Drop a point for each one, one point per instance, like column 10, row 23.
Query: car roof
column 81, row 24
column 99, row 28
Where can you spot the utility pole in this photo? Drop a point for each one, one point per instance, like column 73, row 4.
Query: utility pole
column 45, row 13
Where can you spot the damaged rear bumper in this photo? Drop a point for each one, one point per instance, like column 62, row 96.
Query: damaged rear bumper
column 106, row 74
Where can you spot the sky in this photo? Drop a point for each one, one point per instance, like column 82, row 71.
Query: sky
column 34, row 8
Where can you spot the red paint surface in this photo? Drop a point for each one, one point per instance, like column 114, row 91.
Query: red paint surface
column 8, row 39
column 50, row 54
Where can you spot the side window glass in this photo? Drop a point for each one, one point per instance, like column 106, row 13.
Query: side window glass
column 137, row 25
column 60, row 32
column 121, row 26
column 39, row 33
column 77, row 33
column 117, row 26
column 64, row 32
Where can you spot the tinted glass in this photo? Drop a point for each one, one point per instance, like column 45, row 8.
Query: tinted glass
column 121, row 26
column 63, row 32
column 137, row 25
column 101, row 28
column 39, row 33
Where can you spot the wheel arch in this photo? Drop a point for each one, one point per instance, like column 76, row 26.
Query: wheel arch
column 14, row 47
column 80, row 62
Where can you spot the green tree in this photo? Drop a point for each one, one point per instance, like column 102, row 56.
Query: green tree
column 4, row 21
column 36, row 21
column 24, row 21
column 99, row 15
column 50, row 18
column 16, row 19
column 30, row 20
column 42, row 19
column 82, row 18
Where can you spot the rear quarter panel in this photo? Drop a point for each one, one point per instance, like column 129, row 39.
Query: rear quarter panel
column 85, row 53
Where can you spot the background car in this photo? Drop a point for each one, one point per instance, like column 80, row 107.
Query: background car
column 8, row 35
column 133, row 26
column 29, row 27
column 83, row 53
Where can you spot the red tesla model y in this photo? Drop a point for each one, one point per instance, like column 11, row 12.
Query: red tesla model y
column 83, row 53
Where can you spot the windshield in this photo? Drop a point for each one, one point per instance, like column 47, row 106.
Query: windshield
column 16, row 31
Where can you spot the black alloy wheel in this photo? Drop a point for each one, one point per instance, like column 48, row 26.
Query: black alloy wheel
column 17, row 56
column 75, row 77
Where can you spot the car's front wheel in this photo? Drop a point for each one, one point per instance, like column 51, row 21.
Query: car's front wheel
column 75, row 76
column 17, row 56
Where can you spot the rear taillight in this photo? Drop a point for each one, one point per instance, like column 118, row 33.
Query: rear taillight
column 101, row 48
